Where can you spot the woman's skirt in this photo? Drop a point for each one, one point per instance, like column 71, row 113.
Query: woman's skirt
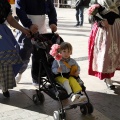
column 104, row 50
column 10, row 61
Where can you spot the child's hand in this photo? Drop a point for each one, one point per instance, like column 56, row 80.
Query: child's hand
column 59, row 69
column 77, row 73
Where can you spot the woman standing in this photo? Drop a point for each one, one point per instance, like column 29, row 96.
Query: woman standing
column 10, row 62
column 104, row 41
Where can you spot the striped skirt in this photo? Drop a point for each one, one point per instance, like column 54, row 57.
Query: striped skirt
column 104, row 50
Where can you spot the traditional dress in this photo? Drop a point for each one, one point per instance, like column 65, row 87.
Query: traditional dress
column 104, row 43
column 10, row 61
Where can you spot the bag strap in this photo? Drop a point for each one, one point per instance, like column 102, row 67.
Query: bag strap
column 66, row 64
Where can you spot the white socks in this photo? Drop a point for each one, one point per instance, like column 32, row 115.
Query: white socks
column 108, row 81
column 67, row 87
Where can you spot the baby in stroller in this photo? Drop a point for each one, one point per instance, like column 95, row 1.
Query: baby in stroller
column 48, row 75
column 70, row 73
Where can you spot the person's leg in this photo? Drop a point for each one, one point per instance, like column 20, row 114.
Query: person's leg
column 77, row 17
column 64, row 81
column 81, row 13
column 25, row 54
column 76, row 88
column 109, row 83
column 5, row 91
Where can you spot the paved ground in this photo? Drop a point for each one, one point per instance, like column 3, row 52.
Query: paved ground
column 106, row 102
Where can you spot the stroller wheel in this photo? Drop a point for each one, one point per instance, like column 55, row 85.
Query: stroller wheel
column 56, row 115
column 90, row 108
column 35, row 99
column 84, row 109
column 41, row 97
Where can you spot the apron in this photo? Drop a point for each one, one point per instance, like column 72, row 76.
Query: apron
column 40, row 21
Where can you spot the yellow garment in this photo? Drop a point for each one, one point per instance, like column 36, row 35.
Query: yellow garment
column 73, row 68
column 75, row 86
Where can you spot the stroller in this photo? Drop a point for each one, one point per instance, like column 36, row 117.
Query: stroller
column 42, row 74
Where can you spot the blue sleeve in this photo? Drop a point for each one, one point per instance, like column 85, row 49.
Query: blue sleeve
column 51, row 12
column 20, row 11
column 55, row 67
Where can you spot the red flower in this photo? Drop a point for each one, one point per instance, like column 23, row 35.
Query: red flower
column 58, row 57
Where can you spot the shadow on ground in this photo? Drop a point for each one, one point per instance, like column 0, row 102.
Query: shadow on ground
column 107, row 104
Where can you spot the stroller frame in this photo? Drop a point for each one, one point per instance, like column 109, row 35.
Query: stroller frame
column 85, row 107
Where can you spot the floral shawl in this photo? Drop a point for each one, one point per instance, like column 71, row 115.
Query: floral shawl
column 110, row 6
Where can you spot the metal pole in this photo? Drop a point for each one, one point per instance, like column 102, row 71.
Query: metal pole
column 58, row 5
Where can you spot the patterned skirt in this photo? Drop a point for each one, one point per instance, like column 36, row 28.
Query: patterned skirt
column 104, row 50
column 10, row 61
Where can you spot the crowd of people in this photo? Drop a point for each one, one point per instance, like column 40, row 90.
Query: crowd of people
column 104, row 45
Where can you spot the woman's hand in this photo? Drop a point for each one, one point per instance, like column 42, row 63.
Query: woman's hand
column 34, row 28
column 53, row 27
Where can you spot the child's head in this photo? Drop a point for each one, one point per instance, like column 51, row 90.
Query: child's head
column 65, row 49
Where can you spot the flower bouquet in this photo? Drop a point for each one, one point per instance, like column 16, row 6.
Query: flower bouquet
column 93, row 9
column 55, row 53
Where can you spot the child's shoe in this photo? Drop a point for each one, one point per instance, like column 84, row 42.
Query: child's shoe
column 18, row 78
column 82, row 98
column 74, row 97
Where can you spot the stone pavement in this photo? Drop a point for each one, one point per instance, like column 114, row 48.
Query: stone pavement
column 106, row 102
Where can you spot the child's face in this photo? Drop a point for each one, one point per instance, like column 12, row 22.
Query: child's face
column 66, row 53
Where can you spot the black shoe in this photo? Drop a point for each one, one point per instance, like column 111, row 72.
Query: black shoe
column 80, row 25
column 6, row 94
column 112, row 87
column 77, row 25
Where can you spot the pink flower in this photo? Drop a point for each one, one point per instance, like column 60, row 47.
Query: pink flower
column 93, row 9
column 55, row 47
column 54, row 52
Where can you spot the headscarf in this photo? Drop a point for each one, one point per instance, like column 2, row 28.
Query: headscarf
column 110, row 6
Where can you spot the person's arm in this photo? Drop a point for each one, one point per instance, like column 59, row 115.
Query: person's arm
column 21, row 13
column 52, row 15
column 16, row 25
